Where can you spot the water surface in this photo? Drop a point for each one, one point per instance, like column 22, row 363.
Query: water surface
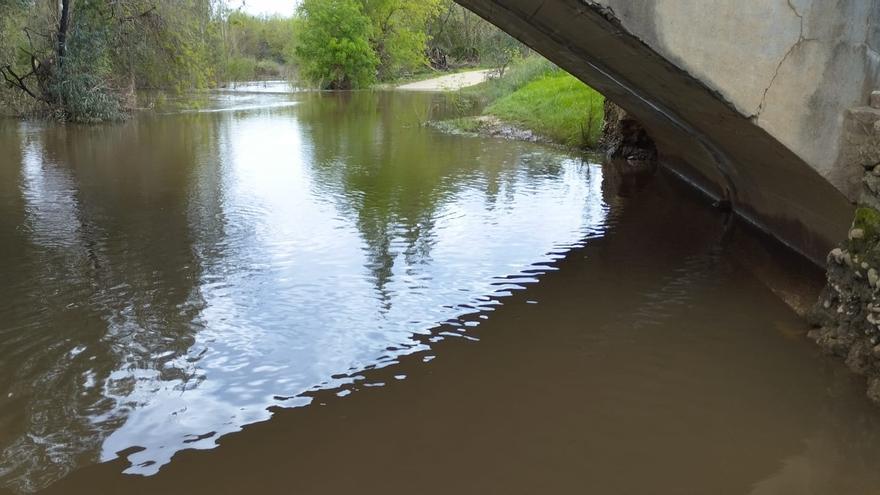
column 419, row 312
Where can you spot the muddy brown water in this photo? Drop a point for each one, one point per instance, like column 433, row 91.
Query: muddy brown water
column 311, row 293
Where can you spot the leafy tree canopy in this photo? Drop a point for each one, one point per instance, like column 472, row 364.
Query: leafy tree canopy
column 400, row 33
column 334, row 44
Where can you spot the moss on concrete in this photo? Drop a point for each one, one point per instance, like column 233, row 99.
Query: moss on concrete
column 868, row 220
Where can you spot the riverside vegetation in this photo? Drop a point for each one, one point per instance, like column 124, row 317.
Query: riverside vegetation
column 84, row 61
column 533, row 100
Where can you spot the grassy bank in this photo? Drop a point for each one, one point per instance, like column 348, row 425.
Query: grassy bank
column 538, row 96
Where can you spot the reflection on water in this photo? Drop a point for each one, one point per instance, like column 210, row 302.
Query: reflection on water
column 372, row 284
column 263, row 87
column 168, row 279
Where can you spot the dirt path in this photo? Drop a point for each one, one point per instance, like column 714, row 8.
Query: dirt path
column 449, row 82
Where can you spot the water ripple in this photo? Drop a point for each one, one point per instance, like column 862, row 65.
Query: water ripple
column 243, row 258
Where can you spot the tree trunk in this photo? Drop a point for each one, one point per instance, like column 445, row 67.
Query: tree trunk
column 63, row 26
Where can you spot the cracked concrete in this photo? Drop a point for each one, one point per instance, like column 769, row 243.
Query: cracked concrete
column 756, row 56
column 745, row 99
column 757, row 112
column 801, row 39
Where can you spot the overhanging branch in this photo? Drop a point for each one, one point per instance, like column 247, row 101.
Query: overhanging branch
column 17, row 81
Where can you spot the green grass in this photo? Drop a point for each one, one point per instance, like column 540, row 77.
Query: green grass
column 555, row 105
column 520, row 73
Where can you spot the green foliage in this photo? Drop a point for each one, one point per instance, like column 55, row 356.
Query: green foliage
column 80, row 88
column 500, row 50
column 868, row 220
column 111, row 49
column 469, row 40
column 522, row 72
column 114, row 48
column 180, row 45
column 183, row 45
column 399, row 34
column 240, row 69
column 268, row 69
column 558, row 106
column 334, row 44
column 257, row 47
column 13, row 14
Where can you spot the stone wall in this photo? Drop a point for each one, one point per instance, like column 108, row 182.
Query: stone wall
column 847, row 317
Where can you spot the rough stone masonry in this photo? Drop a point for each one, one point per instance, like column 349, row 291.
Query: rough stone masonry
column 847, row 317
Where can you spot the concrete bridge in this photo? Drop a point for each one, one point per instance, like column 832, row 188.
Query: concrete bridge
column 756, row 101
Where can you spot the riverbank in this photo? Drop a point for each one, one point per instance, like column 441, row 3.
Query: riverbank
column 450, row 82
column 534, row 101
column 491, row 126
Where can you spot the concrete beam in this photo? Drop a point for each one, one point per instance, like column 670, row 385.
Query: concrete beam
column 712, row 83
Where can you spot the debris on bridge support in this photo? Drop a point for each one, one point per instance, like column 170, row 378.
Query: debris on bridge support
column 624, row 137
column 847, row 316
column 630, row 152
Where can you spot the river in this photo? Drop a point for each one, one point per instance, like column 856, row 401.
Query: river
column 316, row 293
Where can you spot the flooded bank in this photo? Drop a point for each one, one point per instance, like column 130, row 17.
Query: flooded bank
column 317, row 293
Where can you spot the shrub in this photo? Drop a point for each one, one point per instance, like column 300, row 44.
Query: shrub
column 268, row 68
column 241, row 69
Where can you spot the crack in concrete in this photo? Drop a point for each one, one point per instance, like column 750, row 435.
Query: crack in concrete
column 801, row 39
column 798, row 14
column 773, row 79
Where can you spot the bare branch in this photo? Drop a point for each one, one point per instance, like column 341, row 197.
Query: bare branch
column 17, row 81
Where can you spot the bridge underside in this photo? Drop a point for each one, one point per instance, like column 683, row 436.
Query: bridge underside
column 698, row 132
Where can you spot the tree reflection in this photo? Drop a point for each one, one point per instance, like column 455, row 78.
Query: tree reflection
column 264, row 246
column 393, row 176
column 110, row 320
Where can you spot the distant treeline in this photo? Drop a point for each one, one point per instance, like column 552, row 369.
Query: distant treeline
column 256, row 47
column 353, row 43
column 83, row 60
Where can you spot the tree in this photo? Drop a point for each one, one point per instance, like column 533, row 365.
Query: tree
column 464, row 37
column 396, row 32
column 13, row 62
column 82, row 60
column 500, row 50
column 334, row 44
column 256, row 47
column 169, row 44
column 400, row 33
column 66, row 66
